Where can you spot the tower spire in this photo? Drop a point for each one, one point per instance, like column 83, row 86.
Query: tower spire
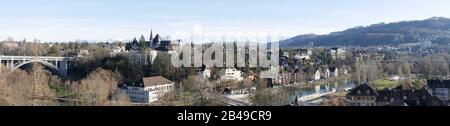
column 151, row 35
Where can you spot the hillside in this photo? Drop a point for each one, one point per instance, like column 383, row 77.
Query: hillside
column 436, row 29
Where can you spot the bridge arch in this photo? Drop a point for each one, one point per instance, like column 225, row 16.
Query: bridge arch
column 59, row 64
column 54, row 67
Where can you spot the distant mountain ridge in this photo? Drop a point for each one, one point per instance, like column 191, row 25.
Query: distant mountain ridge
column 436, row 29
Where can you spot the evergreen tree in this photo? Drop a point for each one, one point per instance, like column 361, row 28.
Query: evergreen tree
column 142, row 42
column 128, row 46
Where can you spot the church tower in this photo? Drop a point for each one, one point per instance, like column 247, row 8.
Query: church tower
column 149, row 43
column 151, row 35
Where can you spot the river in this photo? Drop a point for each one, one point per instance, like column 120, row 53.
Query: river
column 336, row 86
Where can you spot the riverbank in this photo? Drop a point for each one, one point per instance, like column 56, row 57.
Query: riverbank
column 318, row 83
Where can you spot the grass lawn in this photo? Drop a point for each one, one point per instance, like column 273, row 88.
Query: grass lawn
column 384, row 83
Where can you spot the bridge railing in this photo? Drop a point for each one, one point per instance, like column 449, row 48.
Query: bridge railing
column 2, row 57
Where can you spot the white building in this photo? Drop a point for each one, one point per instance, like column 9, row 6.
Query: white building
column 303, row 54
column 306, row 51
column 150, row 90
column 334, row 72
column 337, row 53
column 143, row 57
column 83, row 53
column 425, row 44
column 317, row 75
column 302, row 57
column 118, row 49
column 206, row 73
column 326, row 73
column 232, row 74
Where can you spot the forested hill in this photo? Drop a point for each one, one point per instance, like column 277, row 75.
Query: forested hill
column 436, row 29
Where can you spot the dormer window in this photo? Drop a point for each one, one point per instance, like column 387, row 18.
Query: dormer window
column 368, row 92
column 359, row 92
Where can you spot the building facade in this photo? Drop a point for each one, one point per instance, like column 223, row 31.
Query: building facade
column 317, row 75
column 150, row 90
column 439, row 88
column 334, row 72
column 232, row 74
column 337, row 53
column 365, row 95
column 206, row 73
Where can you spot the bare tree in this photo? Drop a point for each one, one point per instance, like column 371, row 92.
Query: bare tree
column 21, row 88
column 359, row 65
column 373, row 70
column 434, row 66
column 367, row 70
column 445, row 69
column 442, row 67
column 264, row 96
column 120, row 98
column 41, row 93
column 97, row 89
column 404, row 72
column 199, row 87
column 390, row 68
column 426, row 67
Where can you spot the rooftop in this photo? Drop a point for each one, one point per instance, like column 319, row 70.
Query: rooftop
column 363, row 90
column 438, row 84
column 155, row 81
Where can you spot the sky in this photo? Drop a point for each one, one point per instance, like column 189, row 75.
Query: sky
column 67, row 20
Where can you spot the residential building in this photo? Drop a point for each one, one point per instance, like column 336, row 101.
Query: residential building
column 343, row 70
column 337, row 53
column 83, row 53
column 334, row 72
column 408, row 97
column 326, row 73
column 284, row 78
column 363, row 95
column 317, row 75
column 150, row 90
column 303, row 54
column 439, row 88
column 306, row 51
column 232, row 74
column 302, row 57
column 284, row 61
column 117, row 50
